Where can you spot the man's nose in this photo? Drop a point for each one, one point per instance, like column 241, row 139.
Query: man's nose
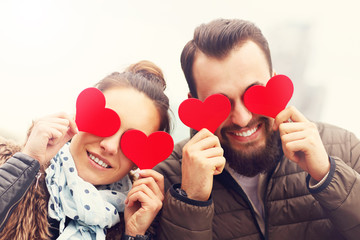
column 240, row 115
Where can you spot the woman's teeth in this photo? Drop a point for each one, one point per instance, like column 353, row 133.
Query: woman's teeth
column 246, row 133
column 98, row 161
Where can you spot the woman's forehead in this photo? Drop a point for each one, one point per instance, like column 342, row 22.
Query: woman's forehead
column 135, row 109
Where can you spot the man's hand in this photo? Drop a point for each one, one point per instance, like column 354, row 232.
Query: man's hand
column 48, row 135
column 301, row 142
column 202, row 159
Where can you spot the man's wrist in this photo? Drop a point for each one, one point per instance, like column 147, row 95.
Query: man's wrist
column 181, row 192
column 323, row 172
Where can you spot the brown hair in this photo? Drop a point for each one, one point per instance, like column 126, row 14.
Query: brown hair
column 147, row 78
column 216, row 39
column 7, row 149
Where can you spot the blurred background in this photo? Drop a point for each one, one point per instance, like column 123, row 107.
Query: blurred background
column 51, row 50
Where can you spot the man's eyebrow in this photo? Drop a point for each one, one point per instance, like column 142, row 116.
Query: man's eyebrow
column 224, row 95
column 254, row 84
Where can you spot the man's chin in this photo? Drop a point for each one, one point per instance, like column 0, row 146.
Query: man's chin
column 247, row 149
column 251, row 159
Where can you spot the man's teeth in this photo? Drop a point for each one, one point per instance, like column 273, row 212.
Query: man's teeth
column 98, row 161
column 246, row 133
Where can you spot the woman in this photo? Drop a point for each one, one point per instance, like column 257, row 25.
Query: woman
column 87, row 185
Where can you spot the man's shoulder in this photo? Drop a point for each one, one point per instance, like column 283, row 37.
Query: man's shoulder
column 331, row 134
column 171, row 167
column 173, row 163
column 339, row 142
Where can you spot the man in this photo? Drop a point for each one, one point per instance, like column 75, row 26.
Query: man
column 256, row 177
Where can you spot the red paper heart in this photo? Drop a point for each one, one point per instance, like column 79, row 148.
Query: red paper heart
column 93, row 117
column 208, row 114
column 269, row 100
column 146, row 152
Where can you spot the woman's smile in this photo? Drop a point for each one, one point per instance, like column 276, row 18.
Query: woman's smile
column 98, row 160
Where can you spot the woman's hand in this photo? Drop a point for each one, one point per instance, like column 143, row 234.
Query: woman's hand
column 143, row 202
column 48, row 134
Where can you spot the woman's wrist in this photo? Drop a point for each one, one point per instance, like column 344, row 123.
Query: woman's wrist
column 133, row 232
column 137, row 237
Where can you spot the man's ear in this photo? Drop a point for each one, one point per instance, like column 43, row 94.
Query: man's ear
column 189, row 95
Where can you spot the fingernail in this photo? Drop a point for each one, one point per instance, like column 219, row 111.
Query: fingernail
column 137, row 173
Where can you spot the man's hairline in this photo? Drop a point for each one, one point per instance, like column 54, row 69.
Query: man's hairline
column 236, row 47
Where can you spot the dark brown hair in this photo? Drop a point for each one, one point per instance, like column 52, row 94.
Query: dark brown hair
column 216, row 39
column 146, row 78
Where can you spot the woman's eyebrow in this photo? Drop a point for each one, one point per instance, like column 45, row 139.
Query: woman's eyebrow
column 127, row 130
column 254, row 84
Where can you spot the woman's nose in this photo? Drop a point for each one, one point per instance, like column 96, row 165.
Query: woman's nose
column 111, row 144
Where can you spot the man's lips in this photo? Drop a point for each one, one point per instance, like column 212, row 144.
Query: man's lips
column 245, row 133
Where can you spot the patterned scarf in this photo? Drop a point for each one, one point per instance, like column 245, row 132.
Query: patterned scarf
column 91, row 209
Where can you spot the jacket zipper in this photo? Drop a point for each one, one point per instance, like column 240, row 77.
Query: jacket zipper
column 252, row 212
column 266, row 220
column 236, row 187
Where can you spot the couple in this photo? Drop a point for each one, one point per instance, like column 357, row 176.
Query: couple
column 254, row 178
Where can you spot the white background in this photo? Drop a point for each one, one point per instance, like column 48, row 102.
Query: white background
column 51, row 50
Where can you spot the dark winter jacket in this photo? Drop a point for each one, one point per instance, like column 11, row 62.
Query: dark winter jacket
column 292, row 209
column 16, row 176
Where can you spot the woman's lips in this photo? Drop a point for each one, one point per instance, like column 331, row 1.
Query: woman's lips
column 98, row 161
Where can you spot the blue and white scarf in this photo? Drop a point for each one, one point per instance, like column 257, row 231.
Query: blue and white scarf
column 91, row 209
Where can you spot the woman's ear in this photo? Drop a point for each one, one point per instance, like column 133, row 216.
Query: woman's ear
column 274, row 73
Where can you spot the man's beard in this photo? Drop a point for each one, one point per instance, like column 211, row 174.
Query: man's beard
column 262, row 160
